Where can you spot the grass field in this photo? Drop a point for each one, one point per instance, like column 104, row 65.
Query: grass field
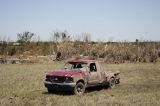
column 22, row 85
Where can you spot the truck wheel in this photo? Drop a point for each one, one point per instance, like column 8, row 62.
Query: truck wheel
column 118, row 81
column 112, row 83
column 79, row 89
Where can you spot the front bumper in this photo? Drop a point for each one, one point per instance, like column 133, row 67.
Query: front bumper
column 59, row 86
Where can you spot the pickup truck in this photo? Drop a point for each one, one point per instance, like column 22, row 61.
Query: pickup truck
column 78, row 74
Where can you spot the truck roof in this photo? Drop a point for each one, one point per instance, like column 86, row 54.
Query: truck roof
column 83, row 61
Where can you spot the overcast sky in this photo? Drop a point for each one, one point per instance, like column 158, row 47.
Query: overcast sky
column 103, row 19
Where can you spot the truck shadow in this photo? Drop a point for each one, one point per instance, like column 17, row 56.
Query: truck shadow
column 58, row 92
column 93, row 89
column 69, row 93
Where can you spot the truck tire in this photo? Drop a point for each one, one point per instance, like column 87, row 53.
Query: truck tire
column 112, row 83
column 117, row 81
column 79, row 89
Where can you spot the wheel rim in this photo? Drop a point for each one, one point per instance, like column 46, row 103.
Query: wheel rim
column 79, row 89
column 112, row 83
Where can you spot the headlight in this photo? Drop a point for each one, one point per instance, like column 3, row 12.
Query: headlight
column 69, row 79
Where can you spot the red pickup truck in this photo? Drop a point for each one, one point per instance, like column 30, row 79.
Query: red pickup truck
column 79, row 74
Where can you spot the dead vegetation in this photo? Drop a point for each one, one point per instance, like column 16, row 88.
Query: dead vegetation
column 63, row 43
column 115, row 52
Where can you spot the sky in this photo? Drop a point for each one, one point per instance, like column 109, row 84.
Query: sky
column 104, row 20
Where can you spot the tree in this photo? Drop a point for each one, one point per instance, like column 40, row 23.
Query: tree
column 25, row 37
column 65, row 36
column 56, row 36
column 61, row 36
column 86, row 37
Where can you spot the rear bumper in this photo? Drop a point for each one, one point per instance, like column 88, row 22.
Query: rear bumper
column 59, row 86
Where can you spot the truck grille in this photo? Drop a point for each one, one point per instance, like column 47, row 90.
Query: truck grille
column 57, row 79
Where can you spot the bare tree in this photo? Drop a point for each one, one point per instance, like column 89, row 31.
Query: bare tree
column 86, row 37
column 56, row 36
column 25, row 37
column 77, row 38
column 61, row 36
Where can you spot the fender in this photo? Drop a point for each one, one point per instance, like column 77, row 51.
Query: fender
column 109, row 75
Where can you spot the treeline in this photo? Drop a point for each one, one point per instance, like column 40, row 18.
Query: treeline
column 82, row 46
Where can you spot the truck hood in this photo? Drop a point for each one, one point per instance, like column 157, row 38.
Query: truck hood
column 66, row 73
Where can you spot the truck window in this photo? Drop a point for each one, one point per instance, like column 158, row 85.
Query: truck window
column 73, row 65
column 78, row 65
column 93, row 67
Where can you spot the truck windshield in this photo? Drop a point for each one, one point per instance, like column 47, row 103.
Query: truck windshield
column 74, row 66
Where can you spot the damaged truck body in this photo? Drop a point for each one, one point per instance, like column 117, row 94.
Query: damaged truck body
column 77, row 75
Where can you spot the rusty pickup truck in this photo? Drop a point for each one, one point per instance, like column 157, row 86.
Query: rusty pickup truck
column 79, row 74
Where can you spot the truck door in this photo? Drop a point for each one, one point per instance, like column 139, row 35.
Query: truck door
column 93, row 74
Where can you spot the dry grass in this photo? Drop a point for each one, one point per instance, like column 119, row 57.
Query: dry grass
column 22, row 85
column 110, row 52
